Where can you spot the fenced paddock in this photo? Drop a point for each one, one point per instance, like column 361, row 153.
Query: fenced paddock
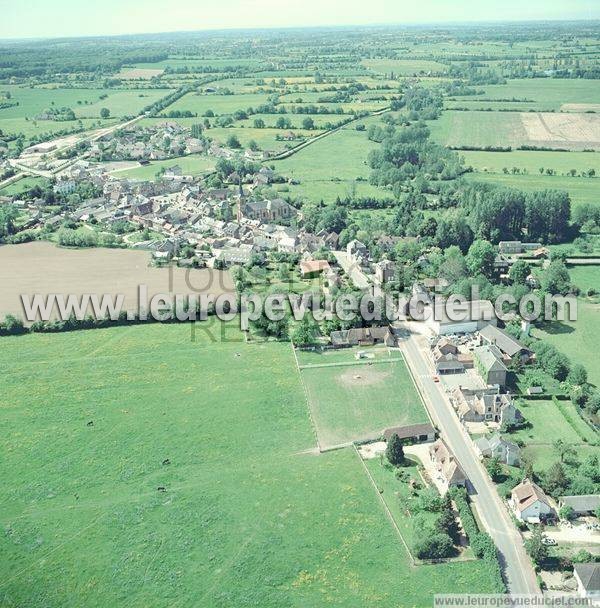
column 355, row 399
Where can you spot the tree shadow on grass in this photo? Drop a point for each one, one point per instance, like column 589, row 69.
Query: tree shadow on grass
column 557, row 328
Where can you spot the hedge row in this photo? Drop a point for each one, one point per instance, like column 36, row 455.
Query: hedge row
column 481, row 543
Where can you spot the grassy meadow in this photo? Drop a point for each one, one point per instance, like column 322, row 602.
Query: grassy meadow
column 330, row 167
column 194, row 164
column 578, row 339
column 580, row 189
column 223, row 427
column 543, row 94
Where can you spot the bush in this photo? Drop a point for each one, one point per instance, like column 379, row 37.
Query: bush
column 435, row 545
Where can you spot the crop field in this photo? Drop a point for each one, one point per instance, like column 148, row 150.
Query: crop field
column 503, row 129
column 120, row 412
column 330, row 167
column 194, row 164
column 403, row 67
column 547, row 94
column 352, row 400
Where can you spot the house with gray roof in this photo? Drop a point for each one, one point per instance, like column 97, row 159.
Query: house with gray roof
column 510, row 347
column 489, row 363
column 588, row 580
column 497, row 447
column 586, row 504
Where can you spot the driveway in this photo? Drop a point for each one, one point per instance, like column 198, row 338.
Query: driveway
column 517, row 568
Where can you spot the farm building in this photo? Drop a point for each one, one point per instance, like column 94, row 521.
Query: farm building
column 465, row 318
column 414, row 433
column 586, row 504
column 362, row 336
column 510, row 347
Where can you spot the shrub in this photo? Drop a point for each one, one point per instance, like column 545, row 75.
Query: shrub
column 435, row 545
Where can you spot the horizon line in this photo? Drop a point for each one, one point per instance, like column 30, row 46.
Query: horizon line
column 407, row 24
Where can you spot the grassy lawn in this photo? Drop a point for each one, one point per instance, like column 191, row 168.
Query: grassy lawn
column 351, row 402
column 586, row 277
column 242, row 521
column 552, row 420
column 25, row 183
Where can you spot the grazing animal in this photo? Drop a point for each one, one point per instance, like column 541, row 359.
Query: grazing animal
column 161, row 489
column 166, row 461
column 90, row 423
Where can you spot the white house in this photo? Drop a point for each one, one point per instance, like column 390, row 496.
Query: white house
column 530, row 503
column 496, row 447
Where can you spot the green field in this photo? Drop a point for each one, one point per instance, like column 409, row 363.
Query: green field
column 351, row 401
column 586, row 277
column 545, row 93
column 26, row 183
column 296, row 119
column 32, row 128
column 578, row 339
column 86, row 103
column 478, row 129
column 580, row 189
column 199, row 103
column 219, row 63
column 194, row 164
column 532, row 161
column 329, row 167
column 403, row 67
column 550, row 421
column 247, row 517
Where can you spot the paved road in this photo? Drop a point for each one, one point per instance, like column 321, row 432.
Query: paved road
column 518, row 572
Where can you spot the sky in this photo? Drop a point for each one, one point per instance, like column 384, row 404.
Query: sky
column 58, row 18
